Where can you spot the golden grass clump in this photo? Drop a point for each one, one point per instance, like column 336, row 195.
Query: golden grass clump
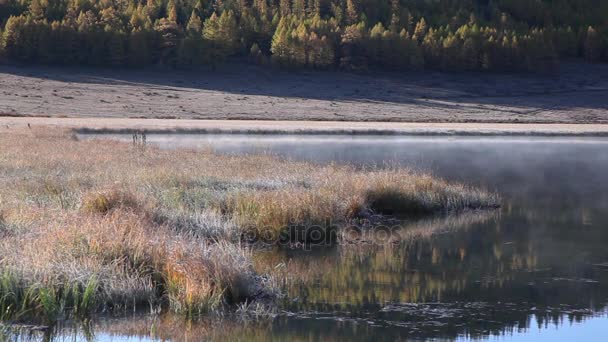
column 105, row 201
column 346, row 194
column 270, row 213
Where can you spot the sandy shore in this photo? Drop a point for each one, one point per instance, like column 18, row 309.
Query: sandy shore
column 577, row 94
column 302, row 127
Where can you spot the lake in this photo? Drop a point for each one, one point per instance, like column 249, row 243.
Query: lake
column 536, row 269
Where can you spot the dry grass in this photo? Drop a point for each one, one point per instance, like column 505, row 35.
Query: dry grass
column 342, row 193
column 163, row 228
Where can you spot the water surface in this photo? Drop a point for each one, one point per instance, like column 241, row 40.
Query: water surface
column 535, row 270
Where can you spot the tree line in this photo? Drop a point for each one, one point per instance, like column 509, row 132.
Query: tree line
column 502, row 35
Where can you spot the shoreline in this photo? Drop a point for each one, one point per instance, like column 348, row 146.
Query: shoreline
column 267, row 127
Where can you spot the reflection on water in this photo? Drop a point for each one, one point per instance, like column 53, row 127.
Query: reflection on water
column 538, row 269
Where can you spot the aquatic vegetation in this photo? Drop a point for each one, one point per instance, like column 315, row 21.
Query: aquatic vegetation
column 44, row 302
column 100, row 226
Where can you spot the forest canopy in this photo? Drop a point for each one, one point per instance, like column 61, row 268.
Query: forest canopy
column 451, row 35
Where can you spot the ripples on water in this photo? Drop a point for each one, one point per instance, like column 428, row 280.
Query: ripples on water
column 536, row 270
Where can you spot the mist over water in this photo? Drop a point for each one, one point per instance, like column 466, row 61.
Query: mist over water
column 535, row 270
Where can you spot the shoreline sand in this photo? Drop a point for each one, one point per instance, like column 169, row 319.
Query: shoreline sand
column 126, row 125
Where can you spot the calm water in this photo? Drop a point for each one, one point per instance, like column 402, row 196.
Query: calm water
column 536, row 270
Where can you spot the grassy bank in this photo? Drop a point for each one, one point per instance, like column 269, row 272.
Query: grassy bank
column 108, row 226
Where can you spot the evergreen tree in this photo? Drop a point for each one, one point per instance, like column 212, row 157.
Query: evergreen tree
column 36, row 11
column 351, row 12
column 281, row 52
column 284, row 7
column 298, row 9
column 13, row 37
column 351, row 34
column 222, row 32
column 169, row 34
column 592, row 45
column 195, row 25
column 352, row 48
column 171, row 11
column 420, row 30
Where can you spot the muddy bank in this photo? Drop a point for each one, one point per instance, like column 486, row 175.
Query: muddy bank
column 576, row 95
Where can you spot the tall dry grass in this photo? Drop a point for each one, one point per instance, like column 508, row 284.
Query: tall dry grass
column 158, row 228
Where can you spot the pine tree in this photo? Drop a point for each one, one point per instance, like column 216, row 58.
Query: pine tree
column 172, row 11
column 12, row 37
column 592, row 45
column 420, row 30
column 152, row 9
column 314, row 8
column 351, row 48
column 229, row 32
column 110, row 20
column 256, row 55
column 195, row 24
column 223, row 33
column 351, row 12
column 395, row 16
column 211, row 28
column 261, row 7
column 169, row 37
column 36, row 10
column 298, row 8
column 280, row 47
column 284, row 7
column 516, row 34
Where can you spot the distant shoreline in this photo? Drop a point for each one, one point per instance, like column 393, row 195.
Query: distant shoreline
column 176, row 126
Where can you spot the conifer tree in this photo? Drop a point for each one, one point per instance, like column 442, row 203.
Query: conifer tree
column 172, row 11
column 446, row 34
column 420, row 30
column 281, row 41
column 12, row 36
column 36, row 10
column 284, row 7
column 592, row 45
column 298, row 9
column 169, row 38
column 351, row 12
column 222, row 32
column 395, row 16
column 195, row 24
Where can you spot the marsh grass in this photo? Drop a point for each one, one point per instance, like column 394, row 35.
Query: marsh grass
column 106, row 201
column 154, row 228
column 44, row 303
column 349, row 194
column 117, row 261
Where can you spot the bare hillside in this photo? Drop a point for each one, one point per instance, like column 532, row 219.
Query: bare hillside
column 578, row 94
